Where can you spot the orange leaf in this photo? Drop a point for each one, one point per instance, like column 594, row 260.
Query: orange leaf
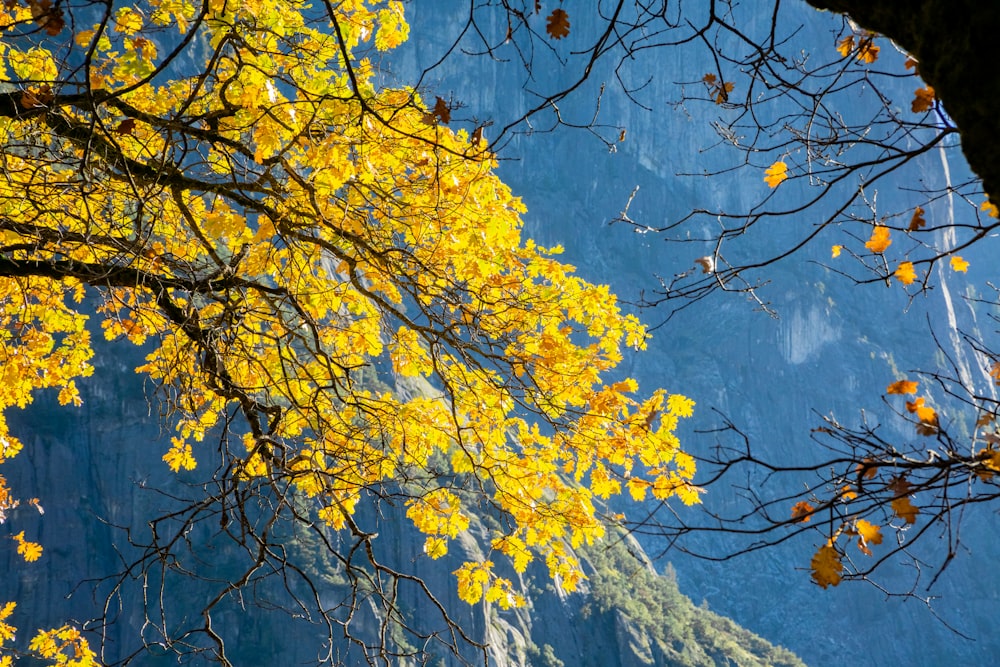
column 867, row 52
column 985, row 419
column 917, row 221
column 990, row 208
column 910, row 63
column 845, row 46
column 775, row 174
column 801, row 511
column 879, row 240
column 826, row 566
column 869, row 532
column 905, row 510
column 867, row 468
column 923, row 99
column 922, row 411
column 902, row 387
column 959, row 264
column 995, row 372
column 557, row 25
column 905, row 273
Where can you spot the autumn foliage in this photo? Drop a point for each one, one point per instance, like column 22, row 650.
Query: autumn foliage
column 274, row 225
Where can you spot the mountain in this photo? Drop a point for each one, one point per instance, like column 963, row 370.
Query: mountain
column 831, row 350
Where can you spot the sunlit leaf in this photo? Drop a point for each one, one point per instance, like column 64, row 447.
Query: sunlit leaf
column 879, row 240
column 905, row 273
column 775, row 174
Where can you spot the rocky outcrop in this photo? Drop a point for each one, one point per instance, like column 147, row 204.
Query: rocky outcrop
column 954, row 42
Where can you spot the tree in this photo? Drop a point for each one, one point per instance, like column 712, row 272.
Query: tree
column 227, row 185
column 824, row 126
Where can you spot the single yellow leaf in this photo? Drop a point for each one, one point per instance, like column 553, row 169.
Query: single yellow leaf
column 845, row 46
column 902, row 387
column 835, row 251
column 905, row 273
column 990, row 208
column 827, row 566
column 775, row 174
column 959, row 264
column 879, row 240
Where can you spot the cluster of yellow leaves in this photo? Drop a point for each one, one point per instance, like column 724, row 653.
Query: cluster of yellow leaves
column 29, row 551
column 302, row 238
column 927, row 418
column 881, row 239
column 827, row 563
column 861, row 46
column 63, row 646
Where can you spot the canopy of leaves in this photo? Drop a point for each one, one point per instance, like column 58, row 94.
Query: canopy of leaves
column 274, row 225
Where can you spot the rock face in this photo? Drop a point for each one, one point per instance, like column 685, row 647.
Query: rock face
column 955, row 42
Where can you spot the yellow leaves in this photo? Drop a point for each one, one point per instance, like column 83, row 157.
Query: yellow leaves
column 128, row 21
column 990, row 209
column 378, row 244
column 845, row 46
column 866, row 52
column 637, row 488
column 557, row 24
column 868, row 533
column 29, row 551
column 902, row 387
column 473, row 580
column 393, row 29
column 776, row 174
column 905, row 273
column 436, row 547
column 516, row 549
column 835, row 251
column 879, row 240
column 958, row 264
column 7, row 631
column 35, row 65
column 905, row 509
column 65, row 646
column 408, row 354
column 901, row 504
column 180, row 455
column 827, row 566
column 923, row 100
column 438, row 513
column 679, row 405
column 802, row 511
column 926, row 416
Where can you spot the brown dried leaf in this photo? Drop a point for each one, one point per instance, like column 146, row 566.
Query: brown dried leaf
column 557, row 25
